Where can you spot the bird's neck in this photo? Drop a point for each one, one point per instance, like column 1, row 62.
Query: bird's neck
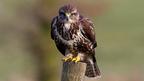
column 67, row 25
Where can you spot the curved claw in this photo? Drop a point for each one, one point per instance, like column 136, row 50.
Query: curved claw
column 76, row 59
column 67, row 58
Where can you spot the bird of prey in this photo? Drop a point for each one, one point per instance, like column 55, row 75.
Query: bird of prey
column 74, row 37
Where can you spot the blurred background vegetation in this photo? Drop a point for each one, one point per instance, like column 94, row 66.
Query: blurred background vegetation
column 27, row 52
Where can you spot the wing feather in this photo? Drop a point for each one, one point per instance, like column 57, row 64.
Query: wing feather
column 88, row 29
column 53, row 27
column 56, row 37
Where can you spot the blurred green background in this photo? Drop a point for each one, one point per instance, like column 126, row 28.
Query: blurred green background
column 27, row 52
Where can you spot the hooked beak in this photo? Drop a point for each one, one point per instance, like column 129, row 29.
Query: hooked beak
column 67, row 16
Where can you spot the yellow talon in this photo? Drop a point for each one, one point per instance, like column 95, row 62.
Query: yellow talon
column 76, row 59
column 67, row 58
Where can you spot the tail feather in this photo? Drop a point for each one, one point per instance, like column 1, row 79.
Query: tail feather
column 92, row 69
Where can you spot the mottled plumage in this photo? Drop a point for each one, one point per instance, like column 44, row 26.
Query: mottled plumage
column 74, row 35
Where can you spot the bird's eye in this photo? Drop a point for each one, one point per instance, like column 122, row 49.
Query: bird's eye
column 62, row 14
column 73, row 14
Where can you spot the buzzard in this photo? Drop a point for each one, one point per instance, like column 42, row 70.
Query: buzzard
column 74, row 37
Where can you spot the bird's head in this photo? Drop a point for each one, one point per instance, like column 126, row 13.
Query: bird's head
column 68, row 13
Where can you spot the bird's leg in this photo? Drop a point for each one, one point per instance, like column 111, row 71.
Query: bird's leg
column 68, row 57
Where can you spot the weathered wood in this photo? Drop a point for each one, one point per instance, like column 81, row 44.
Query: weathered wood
column 73, row 71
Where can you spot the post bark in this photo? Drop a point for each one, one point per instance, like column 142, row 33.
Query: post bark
column 73, row 71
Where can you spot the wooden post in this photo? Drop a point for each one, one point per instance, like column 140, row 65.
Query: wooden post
column 73, row 71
